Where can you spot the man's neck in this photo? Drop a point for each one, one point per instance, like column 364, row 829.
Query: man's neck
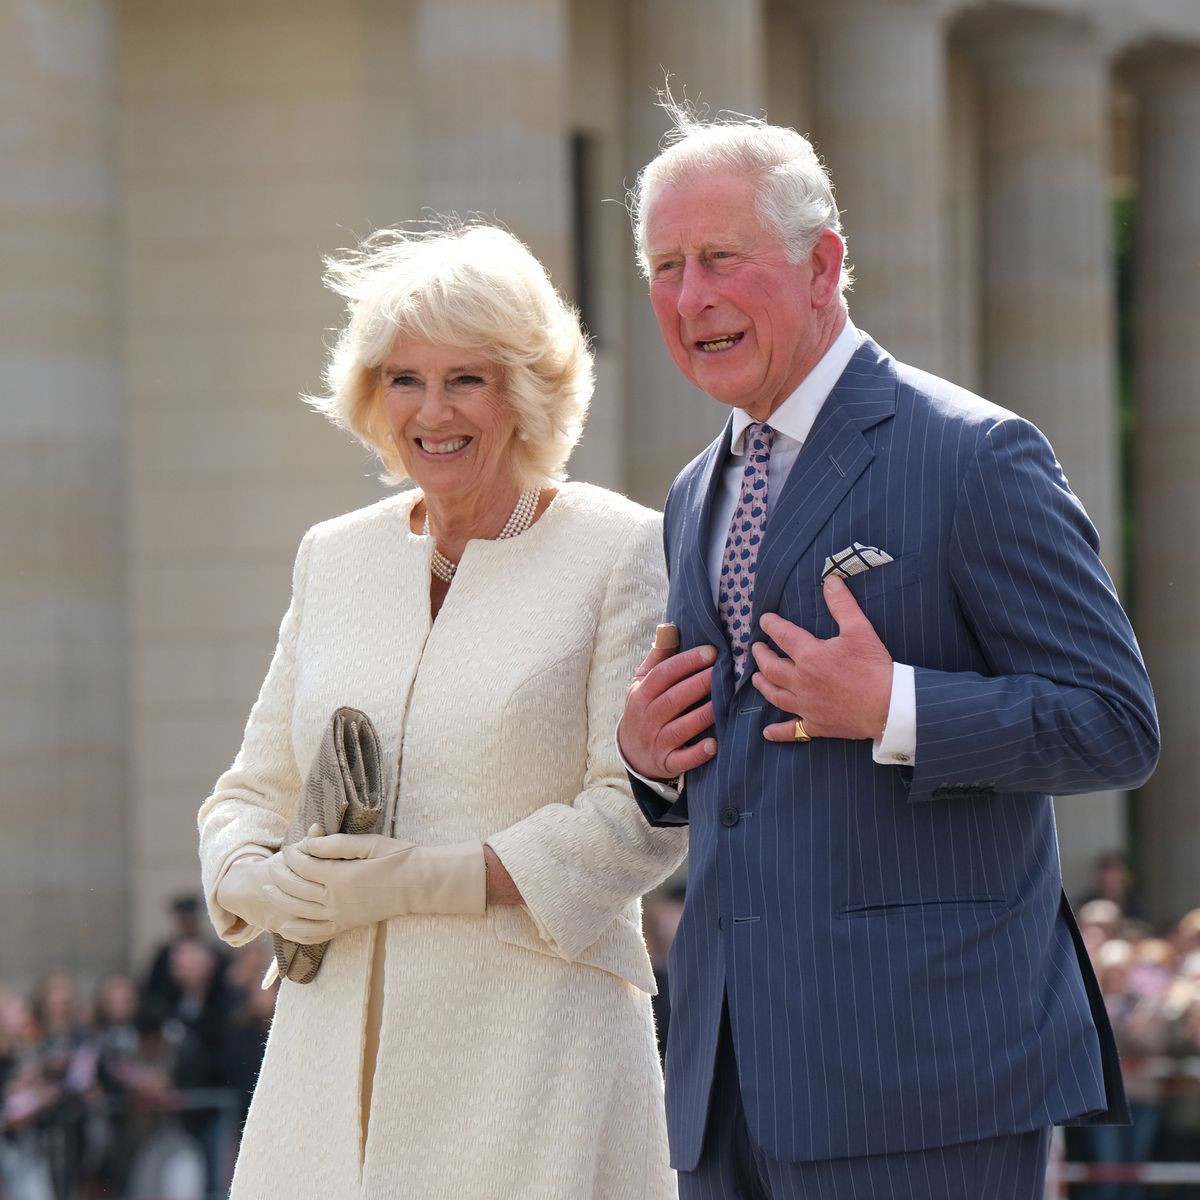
column 833, row 321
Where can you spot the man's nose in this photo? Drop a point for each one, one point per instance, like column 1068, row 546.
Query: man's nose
column 695, row 293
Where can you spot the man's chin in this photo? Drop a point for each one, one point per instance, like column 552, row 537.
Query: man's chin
column 724, row 390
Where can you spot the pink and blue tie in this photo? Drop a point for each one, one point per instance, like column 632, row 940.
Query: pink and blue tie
column 735, row 592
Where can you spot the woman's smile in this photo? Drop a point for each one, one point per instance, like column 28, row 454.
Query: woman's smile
column 441, row 449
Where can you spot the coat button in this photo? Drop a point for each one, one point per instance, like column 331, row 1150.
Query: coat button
column 730, row 817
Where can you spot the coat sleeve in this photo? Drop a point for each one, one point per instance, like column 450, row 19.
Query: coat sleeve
column 579, row 865
column 253, row 802
column 1065, row 705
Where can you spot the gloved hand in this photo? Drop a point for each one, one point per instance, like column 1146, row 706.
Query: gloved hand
column 345, row 881
column 248, row 891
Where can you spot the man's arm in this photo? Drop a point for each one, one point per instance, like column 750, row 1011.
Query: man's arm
column 1066, row 704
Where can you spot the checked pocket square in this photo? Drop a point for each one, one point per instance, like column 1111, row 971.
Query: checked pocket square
column 854, row 560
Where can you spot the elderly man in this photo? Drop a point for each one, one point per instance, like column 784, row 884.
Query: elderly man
column 897, row 640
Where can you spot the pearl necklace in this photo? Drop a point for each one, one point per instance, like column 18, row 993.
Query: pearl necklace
column 519, row 521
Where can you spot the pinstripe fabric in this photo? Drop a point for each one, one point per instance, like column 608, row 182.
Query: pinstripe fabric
column 732, row 1167
column 902, row 969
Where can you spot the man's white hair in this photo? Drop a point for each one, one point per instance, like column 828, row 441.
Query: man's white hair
column 795, row 194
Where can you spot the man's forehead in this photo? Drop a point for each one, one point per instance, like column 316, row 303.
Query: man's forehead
column 696, row 215
column 741, row 238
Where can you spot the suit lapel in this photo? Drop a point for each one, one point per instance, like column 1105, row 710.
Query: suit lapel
column 834, row 456
column 692, row 563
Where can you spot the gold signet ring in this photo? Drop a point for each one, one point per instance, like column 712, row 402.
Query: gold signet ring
column 666, row 637
column 800, row 733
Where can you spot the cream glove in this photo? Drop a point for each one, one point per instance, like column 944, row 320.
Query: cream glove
column 247, row 890
column 345, row 881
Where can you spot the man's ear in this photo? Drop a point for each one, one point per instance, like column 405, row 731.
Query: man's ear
column 825, row 260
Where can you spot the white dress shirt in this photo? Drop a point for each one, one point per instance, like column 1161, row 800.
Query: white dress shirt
column 792, row 421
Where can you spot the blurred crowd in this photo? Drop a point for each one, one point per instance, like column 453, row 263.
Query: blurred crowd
column 92, row 1086
column 1151, row 984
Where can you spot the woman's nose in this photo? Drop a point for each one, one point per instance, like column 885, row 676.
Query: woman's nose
column 435, row 405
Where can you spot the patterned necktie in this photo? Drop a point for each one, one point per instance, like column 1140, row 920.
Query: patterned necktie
column 735, row 592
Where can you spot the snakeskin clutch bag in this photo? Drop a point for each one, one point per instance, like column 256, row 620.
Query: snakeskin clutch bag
column 343, row 794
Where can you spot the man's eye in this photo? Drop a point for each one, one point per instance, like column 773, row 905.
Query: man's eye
column 721, row 254
column 662, row 268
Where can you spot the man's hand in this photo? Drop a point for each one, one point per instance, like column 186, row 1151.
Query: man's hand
column 841, row 687
column 669, row 703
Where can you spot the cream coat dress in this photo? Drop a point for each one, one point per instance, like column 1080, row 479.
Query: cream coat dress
column 517, row 1055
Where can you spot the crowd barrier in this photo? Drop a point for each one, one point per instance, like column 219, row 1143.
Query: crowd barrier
column 1148, row 1173
column 167, row 1161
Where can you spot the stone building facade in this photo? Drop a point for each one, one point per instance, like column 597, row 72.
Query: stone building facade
column 171, row 174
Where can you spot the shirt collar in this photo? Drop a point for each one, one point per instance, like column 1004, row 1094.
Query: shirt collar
column 795, row 417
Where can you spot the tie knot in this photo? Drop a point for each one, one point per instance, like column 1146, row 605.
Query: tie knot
column 759, row 438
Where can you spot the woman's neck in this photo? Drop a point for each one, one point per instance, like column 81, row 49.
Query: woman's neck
column 456, row 520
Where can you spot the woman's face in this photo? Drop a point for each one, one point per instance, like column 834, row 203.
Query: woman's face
column 453, row 428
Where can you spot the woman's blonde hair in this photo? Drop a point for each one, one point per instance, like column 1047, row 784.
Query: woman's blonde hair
column 474, row 287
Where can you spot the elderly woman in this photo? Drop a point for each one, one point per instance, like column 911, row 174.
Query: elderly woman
column 481, row 1023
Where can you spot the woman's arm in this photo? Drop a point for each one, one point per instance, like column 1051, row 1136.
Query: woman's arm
column 252, row 803
column 500, row 886
column 577, row 866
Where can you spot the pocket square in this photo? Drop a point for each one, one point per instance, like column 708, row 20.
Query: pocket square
column 854, row 560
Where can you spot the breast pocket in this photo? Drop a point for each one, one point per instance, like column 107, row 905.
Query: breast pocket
column 876, row 591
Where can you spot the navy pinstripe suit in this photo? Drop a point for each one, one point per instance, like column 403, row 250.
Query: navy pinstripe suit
column 901, row 967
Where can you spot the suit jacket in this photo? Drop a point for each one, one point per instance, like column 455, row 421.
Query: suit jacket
column 901, row 966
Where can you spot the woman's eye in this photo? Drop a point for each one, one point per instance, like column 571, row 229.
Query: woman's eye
column 403, row 380
column 468, row 380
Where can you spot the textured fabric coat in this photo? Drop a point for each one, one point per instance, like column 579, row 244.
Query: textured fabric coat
column 517, row 1055
column 901, row 967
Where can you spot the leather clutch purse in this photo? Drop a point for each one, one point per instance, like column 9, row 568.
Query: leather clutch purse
column 342, row 794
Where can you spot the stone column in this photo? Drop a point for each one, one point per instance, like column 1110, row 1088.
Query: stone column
column 601, row 241
column 247, row 146
column 1048, row 310
column 789, row 56
column 1049, row 340
column 1167, row 393
column 493, row 106
column 64, row 708
column 713, row 52
column 880, row 124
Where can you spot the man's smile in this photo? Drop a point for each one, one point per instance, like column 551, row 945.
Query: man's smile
column 715, row 345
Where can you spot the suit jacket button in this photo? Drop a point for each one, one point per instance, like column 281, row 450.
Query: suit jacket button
column 730, row 817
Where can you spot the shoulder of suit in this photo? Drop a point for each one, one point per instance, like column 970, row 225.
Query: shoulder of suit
column 946, row 401
column 695, row 469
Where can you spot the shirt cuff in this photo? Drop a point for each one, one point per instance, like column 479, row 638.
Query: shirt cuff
column 665, row 791
column 898, row 745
